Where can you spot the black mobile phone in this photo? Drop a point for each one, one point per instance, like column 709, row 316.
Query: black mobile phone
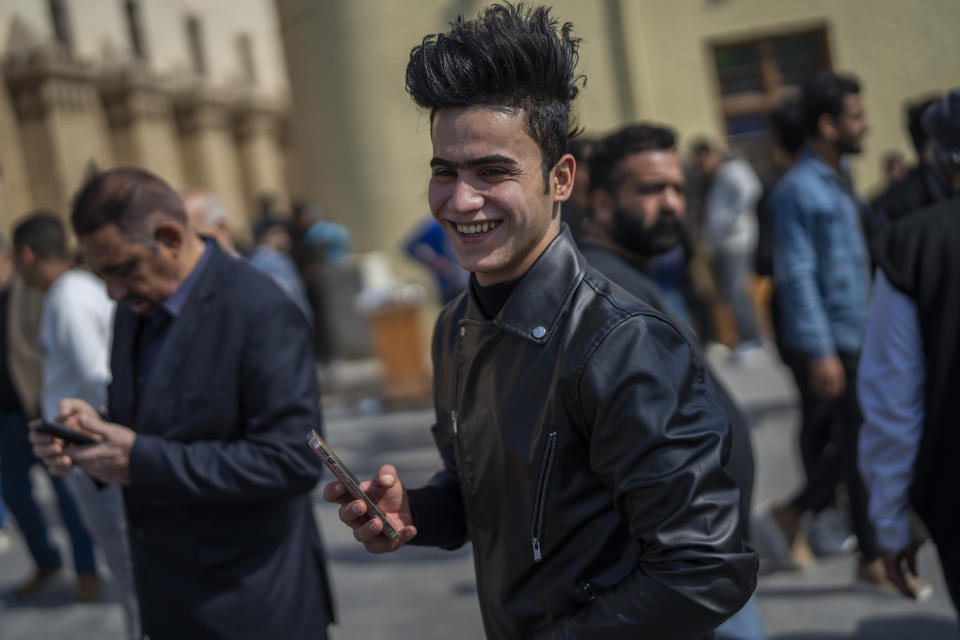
column 58, row 430
column 322, row 449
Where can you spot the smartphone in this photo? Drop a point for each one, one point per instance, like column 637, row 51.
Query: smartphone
column 58, row 430
column 322, row 449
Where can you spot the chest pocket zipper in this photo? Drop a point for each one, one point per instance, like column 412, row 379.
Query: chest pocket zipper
column 536, row 526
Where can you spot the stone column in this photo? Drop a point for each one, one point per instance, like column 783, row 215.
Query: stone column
column 62, row 124
column 142, row 125
column 259, row 139
column 209, row 156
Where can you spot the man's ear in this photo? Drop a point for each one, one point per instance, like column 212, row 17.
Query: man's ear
column 169, row 234
column 24, row 257
column 561, row 178
column 827, row 127
column 602, row 207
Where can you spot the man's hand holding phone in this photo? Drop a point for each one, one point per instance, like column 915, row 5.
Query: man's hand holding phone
column 106, row 460
column 387, row 493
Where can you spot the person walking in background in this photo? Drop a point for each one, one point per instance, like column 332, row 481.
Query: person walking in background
column 20, row 392
column 638, row 204
column 271, row 255
column 570, row 417
column 208, row 216
column 910, row 373
column 76, row 325
column 429, row 245
column 925, row 184
column 729, row 228
column 213, row 372
column 821, row 268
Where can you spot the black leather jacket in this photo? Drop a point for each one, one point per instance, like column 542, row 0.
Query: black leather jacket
column 583, row 452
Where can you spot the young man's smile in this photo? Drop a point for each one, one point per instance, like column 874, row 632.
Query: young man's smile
column 487, row 190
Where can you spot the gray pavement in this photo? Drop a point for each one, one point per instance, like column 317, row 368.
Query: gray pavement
column 422, row 594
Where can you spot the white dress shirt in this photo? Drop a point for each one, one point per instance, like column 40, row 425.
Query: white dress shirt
column 76, row 330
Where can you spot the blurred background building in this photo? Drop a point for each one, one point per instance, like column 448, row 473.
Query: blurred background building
column 706, row 67
column 193, row 90
column 196, row 90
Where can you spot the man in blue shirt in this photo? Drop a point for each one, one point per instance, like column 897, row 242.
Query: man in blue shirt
column 911, row 370
column 822, row 272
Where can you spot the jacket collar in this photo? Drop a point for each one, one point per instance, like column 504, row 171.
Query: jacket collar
column 537, row 303
column 180, row 334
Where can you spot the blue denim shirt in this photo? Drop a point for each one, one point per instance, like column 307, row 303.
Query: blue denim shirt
column 821, row 263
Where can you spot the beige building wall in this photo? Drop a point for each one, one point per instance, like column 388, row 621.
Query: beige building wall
column 899, row 49
column 97, row 103
column 15, row 197
column 364, row 147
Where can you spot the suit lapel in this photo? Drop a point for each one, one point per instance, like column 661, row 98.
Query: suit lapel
column 178, row 340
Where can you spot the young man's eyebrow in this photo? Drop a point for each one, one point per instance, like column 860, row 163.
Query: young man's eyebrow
column 475, row 162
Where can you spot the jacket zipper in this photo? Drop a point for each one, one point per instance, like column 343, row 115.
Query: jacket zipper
column 536, row 528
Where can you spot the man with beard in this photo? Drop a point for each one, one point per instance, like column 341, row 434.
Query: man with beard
column 637, row 207
column 822, row 272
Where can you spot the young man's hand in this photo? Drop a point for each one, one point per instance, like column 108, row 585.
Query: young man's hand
column 388, row 494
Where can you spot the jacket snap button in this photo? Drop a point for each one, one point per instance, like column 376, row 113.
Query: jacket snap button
column 463, row 331
column 539, row 332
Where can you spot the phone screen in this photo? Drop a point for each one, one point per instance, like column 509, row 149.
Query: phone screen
column 340, row 470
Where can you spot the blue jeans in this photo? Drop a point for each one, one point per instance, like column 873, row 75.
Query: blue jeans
column 732, row 269
column 17, row 459
column 745, row 624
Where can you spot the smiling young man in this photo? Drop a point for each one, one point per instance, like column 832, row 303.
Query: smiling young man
column 582, row 443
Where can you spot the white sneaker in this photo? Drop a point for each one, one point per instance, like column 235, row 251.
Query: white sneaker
column 829, row 533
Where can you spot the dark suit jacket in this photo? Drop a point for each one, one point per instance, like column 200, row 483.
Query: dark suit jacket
column 221, row 526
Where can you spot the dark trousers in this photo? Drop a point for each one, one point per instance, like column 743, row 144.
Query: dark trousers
column 828, row 448
column 16, row 459
column 950, row 563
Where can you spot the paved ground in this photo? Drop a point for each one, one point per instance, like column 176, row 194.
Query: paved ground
column 425, row 594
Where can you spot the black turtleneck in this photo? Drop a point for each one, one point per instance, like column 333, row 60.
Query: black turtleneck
column 491, row 299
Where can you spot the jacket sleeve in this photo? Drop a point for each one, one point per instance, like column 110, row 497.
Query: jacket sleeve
column 277, row 396
column 795, row 270
column 659, row 440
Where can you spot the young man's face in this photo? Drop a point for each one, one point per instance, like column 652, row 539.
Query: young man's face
column 487, row 191
column 645, row 213
column 136, row 274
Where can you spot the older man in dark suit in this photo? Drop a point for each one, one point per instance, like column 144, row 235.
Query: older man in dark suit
column 212, row 373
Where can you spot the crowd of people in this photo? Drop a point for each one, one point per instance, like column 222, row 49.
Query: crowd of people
column 600, row 470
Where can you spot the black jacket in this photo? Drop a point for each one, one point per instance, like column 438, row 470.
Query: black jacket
column 584, row 452
column 921, row 187
column 919, row 255
column 222, row 530
column 632, row 278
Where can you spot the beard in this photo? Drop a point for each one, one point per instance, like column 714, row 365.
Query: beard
column 631, row 234
column 849, row 144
